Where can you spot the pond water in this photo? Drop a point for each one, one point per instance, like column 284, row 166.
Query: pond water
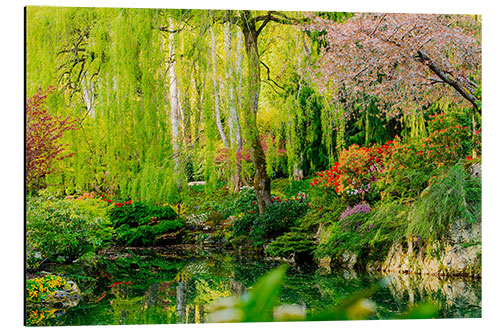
column 175, row 285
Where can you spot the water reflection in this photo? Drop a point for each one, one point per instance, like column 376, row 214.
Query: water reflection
column 177, row 288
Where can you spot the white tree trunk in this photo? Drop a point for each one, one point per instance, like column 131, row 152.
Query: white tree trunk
column 232, row 82
column 234, row 118
column 88, row 97
column 174, row 103
column 239, row 66
column 216, row 93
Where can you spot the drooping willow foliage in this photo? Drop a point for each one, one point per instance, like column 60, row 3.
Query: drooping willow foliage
column 113, row 70
column 109, row 66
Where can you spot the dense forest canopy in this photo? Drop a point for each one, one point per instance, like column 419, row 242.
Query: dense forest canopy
column 162, row 97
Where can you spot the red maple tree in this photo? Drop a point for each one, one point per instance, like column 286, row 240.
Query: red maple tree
column 43, row 133
column 405, row 60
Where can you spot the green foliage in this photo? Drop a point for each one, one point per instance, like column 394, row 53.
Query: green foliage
column 345, row 236
column 449, row 140
column 65, row 228
column 296, row 241
column 140, row 213
column 327, row 206
column 387, row 223
column 215, row 218
column 278, row 218
column 244, row 202
column 146, row 234
column 306, row 146
column 367, row 125
column 453, row 196
column 406, row 173
column 289, row 187
column 370, row 234
column 124, row 145
column 139, row 223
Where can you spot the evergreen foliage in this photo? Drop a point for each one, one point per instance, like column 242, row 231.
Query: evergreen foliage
column 140, row 224
column 294, row 242
column 279, row 218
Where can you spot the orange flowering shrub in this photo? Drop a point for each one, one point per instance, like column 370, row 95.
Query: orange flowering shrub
column 356, row 171
column 396, row 168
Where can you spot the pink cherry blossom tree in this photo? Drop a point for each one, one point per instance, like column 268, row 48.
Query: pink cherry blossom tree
column 405, row 60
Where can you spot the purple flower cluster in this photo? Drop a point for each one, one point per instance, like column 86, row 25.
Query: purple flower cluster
column 359, row 208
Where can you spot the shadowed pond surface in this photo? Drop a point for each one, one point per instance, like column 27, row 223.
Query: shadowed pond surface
column 175, row 285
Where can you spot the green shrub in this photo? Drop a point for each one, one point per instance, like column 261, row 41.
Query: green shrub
column 146, row 234
column 245, row 201
column 289, row 187
column 450, row 138
column 453, row 196
column 278, row 218
column 388, row 222
column 140, row 213
column 65, row 229
column 294, row 242
column 406, row 173
column 345, row 235
column 141, row 224
column 215, row 218
column 242, row 225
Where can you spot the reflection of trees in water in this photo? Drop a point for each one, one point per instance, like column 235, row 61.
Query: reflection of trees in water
column 170, row 290
column 318, row 291
column 181, row 301
column 457, row 297
column 199, row 283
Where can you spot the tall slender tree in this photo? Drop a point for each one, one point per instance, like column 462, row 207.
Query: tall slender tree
column 216, row 92
column 175, row 112
column 252, row 26
column 233, row 76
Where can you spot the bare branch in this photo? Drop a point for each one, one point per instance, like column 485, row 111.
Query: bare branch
column 269, row 77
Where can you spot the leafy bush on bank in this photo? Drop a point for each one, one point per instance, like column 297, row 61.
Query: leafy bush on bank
column 278, row 218
column 139, row 224
column 293, row 242
column 65, row 229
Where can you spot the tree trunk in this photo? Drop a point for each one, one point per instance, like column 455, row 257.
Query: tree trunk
column 88, row 97
column 174, row 104
column 262, row 183
column 216, row 93
column 235, row 139
column 298, row 172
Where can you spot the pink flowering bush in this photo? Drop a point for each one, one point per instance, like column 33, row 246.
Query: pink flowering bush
column 359, row 208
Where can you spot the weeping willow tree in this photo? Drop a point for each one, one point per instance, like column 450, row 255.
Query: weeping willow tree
column 159, row 93
column 112, row 70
